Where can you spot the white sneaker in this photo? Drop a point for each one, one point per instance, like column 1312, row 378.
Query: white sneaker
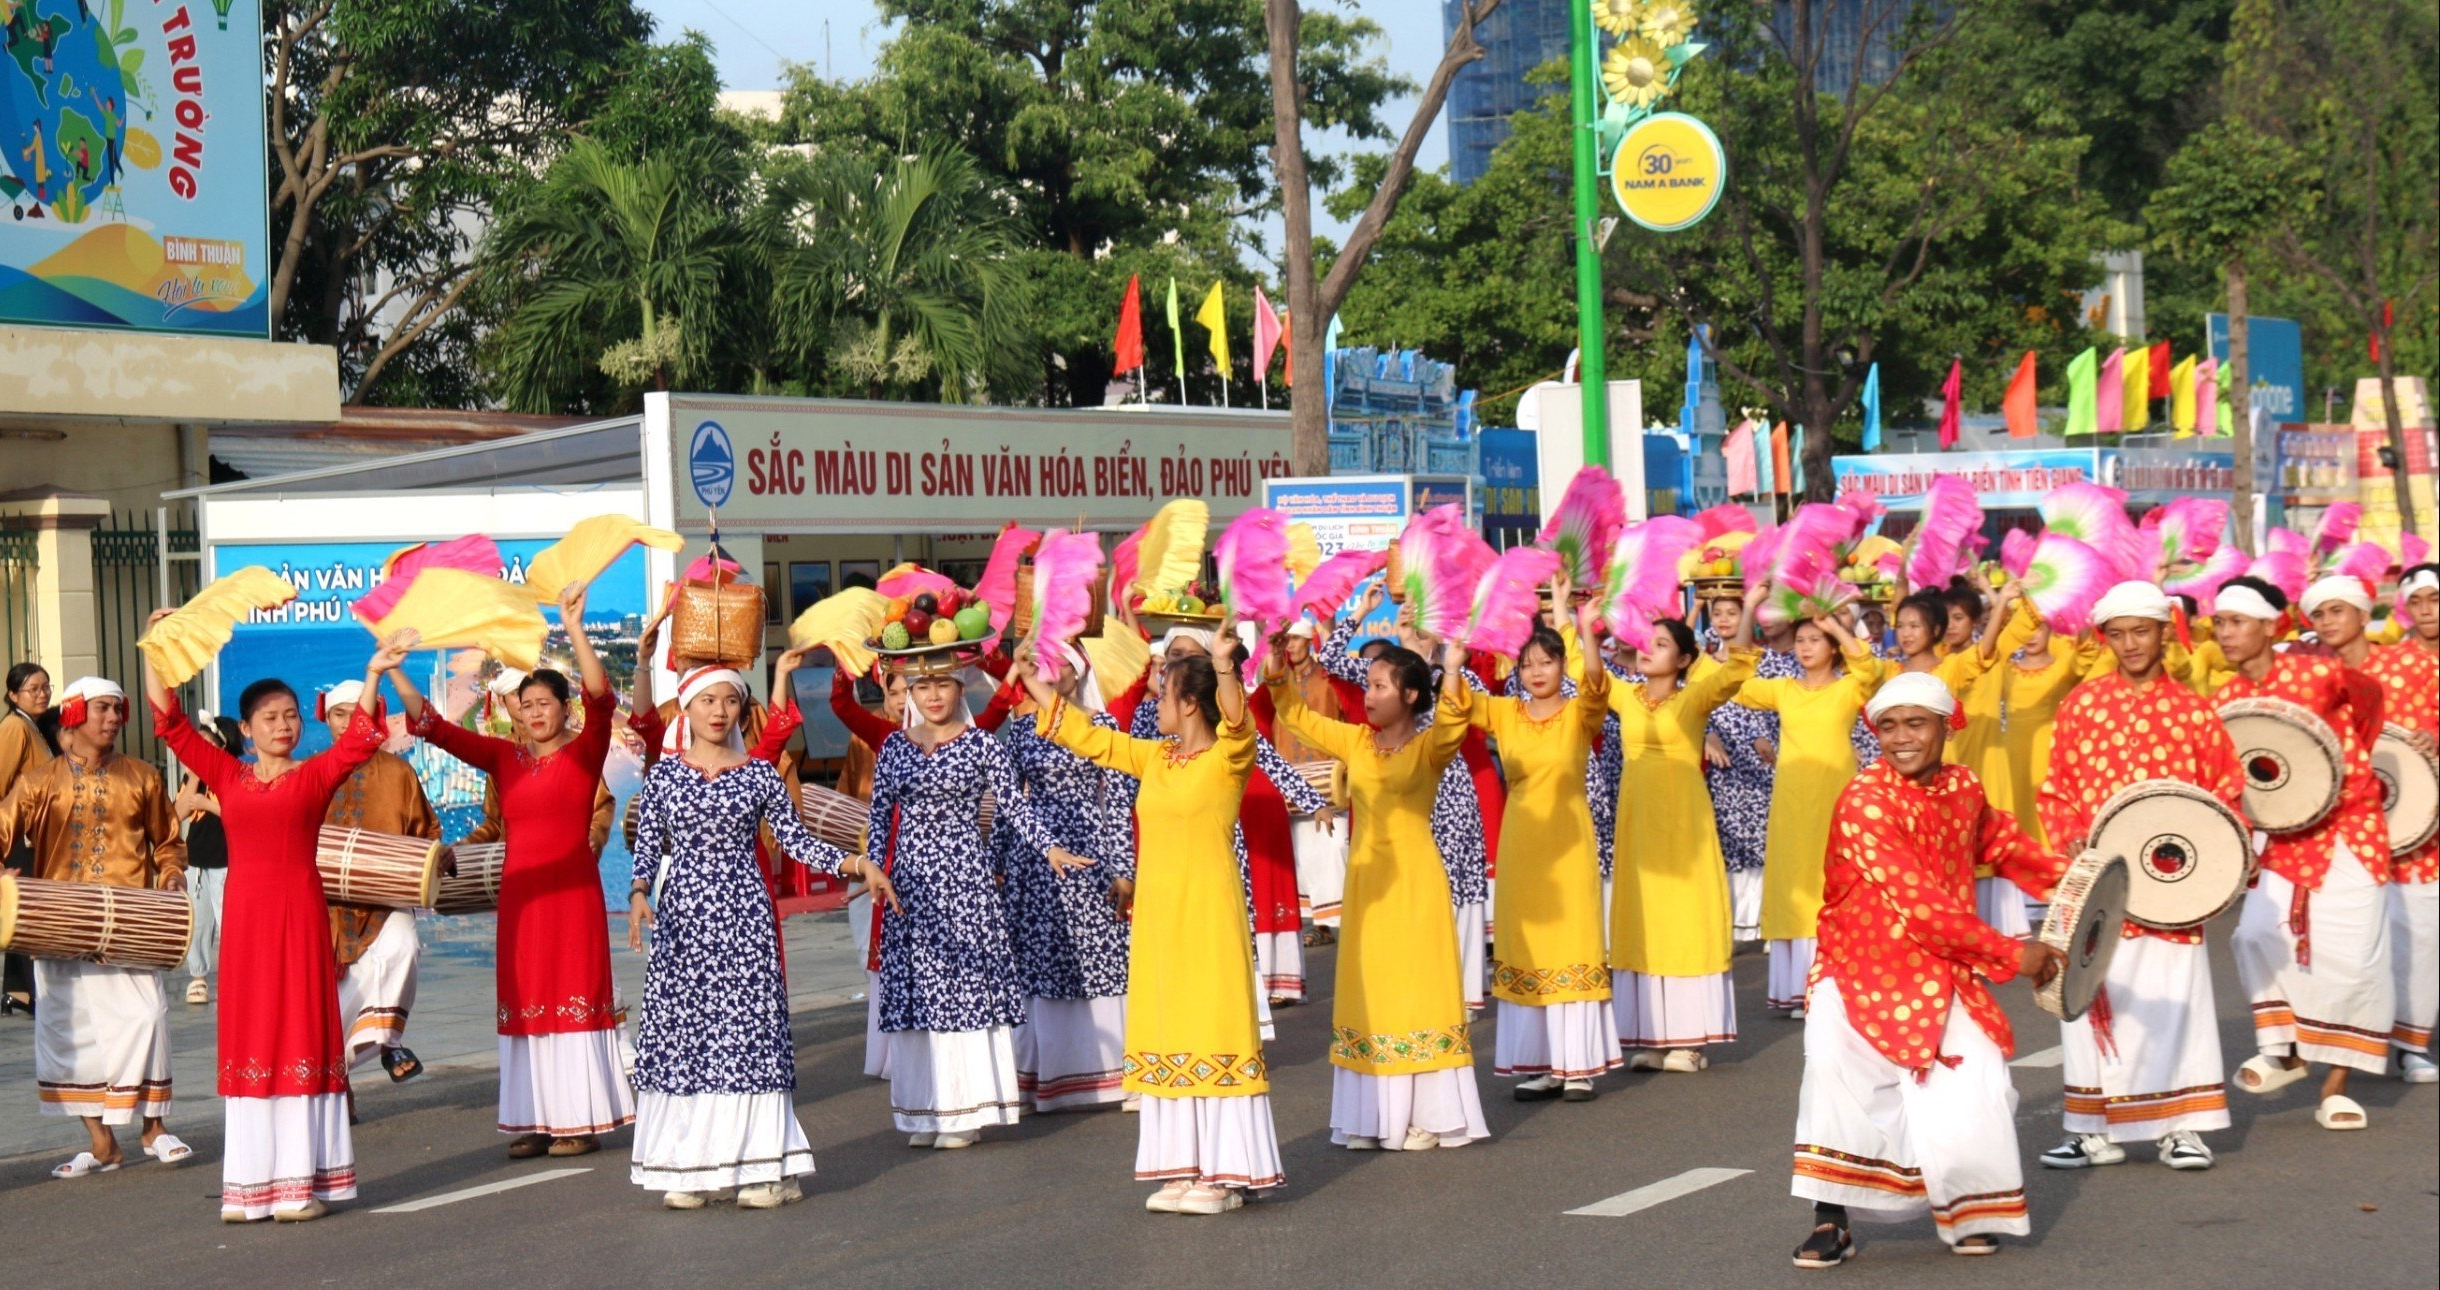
column 682, row 1200
column 1685, row 1061
column 1355, row 1143
column 2184, row 1149
column 1420, row 1139
column 2083, row 1149
column 2415, row 1068
column 921, row 1139
column 953, row 1141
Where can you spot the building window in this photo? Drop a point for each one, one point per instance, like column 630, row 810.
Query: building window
column 808, row 584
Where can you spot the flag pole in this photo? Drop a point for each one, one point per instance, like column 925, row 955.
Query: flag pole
column 1224, row 389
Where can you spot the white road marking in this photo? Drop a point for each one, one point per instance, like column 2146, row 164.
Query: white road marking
column 487, row 1189
column 2048, row 1057
column 1662, row 1192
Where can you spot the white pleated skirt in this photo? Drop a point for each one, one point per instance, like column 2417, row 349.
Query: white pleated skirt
column 1791, row 962
column 1072, row 1053
column 1473, row 971
column 1673, row 1011
column 570, row 1084
column 1215, row 1141
column 1745, row 904
column 2001, row 903
column 284, row 1151
column 713, row 1141
column 1279, row 964
column 1445, row 1102
column 953, row 1081
column 1577, row 1039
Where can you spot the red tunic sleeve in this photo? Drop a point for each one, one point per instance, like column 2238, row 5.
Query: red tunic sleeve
column 212, row 764
column 1003, row 701
column 870, row 727
column 778, row 729
column 1129, row 700
column 1928, row 911
column 481, row 751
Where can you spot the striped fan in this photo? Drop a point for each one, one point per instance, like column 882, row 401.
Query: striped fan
column 1585, row 525
column 1329, row 585
column 2065, row 579
column 2286, row 570
column 473, row 553
column 1171, row 554
column 1253, row 557
column 1304, row 551
column 1066, row 567
column 1440, row 561
column 183, row 644
column 1641, row 584
column 2203, row 581
column 2337, row 527
column 1508, row 599
column 2097, row 517
column 997, row 588
column 1936, row 551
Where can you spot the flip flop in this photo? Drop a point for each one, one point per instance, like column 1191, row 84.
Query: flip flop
column 167, row 1149
column 2331, row 1108
column 401, row 1063
column 85, row 1163
column 2269, row 1076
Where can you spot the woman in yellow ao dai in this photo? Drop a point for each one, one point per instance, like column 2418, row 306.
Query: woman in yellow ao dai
column 1402, row 1056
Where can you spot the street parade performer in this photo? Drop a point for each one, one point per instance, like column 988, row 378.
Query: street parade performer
column 377, row 946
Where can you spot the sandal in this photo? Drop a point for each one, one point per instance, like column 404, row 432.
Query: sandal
column 85, row 1163
column 166, row 1148
column 580, row 1146
column 401, row 1063
column 529, row 1145
column 2339, row 1113
column 1828, row 1246
column 1983, row 1244
column 2262, row 1076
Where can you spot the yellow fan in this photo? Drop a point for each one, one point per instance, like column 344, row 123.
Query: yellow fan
column 843, row 622
column 454, row 609
column 181, row 644
column 1304, row 550
column 590, row 547
column 1171, row 554
column 1118, row 659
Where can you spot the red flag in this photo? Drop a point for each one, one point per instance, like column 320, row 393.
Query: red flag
column 1130, row 342
column 2162, row 361
column 1952, row 399
column 1287, row 348
column 2018, row 404
column 1782, row 469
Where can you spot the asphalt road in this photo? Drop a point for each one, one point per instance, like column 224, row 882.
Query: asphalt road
column 1052, row 1202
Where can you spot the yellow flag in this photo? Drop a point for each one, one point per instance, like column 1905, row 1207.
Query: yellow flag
column 2181, row 398
column 2136, row 372
column 1214, row 316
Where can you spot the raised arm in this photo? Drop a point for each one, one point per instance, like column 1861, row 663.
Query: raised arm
column 1337, row 738
column 485, row 753
column 1720, row 682
column 871, row 727
column 589, row 667
column 1332, row 653
column 1067, row 726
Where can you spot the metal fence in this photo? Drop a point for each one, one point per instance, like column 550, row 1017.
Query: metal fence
column 134, row 572
column 17, row 565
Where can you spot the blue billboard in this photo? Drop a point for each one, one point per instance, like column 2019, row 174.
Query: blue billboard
column 2274, row 362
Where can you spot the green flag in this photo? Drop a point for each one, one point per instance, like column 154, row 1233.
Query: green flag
column 1177, row 333
column 2083, row 413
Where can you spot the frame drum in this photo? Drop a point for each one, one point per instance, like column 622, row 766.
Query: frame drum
column 2410, row 789
column 2188, row 856
column 2086, row 914
column 2293, row 762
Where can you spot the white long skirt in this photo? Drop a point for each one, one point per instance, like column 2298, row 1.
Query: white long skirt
column 1072, row 1053
column 860, row 932
column 953, row 1081
column 1386, row 1106
column 569, row 1084
column 2414, row 953
column 281, row 1152
column 2001, row 903
column 1608, row 897
column 712, row 1141
column 1577, row 1039
column 2341, row 1008
column 2165, row 1029
column 1889, row 1146
column 378, row 989
column 1472, row 960
column 1215, row 1141
column 1321, row 869
column 1279, row 964
column 1673, row 1011
column 1745, row 904
column 1791, row 962
column 101, row 1041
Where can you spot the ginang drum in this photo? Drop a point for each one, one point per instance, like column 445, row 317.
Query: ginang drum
column 834, row 817
column 475, row 886
column 2086, row 913
column 128, row 927
column 362, row 867
column 2410, row 789
column 2188, row 856
column 1328, row 778
column 2294, row 765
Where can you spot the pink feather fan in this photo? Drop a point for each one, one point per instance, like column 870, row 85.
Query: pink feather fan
column 998, row 587
column 1804, row 564
column 2365, row 560
column 915, row 580
column 1641, row 585
column 2286, row 540
column 2285, row 569
column 473, row 553
column 2203, row 581
column 2337, row 527
column 1508, row 599
column 2015, row 552
column 2097, row 517
column 2188, row 528
column 1440, row 562
column 1066, row 567
column 1719, row 521
column 1863, row 508
column 1587, row 522
column 1123, row 566
column 1330, row 584
column 1936, row 551
column 2065, row 579
column 1252, row 555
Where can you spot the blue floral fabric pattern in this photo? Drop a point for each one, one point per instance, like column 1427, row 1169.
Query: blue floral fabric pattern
column 1457, row 811
column 715, row 1010
column 1069, row 942
column 1741, row 794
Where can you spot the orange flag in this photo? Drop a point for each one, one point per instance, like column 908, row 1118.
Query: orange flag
column 1781, row 468
column 1287, row 348
column 2018, row 406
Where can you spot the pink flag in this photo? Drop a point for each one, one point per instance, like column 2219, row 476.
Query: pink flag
column 1740, row 453
column 1266, row 334
column 2207, row 396
column 2107, row 409
column 1952, row 405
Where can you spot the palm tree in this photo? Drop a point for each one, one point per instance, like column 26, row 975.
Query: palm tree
column 615, row 267
column 895, row 281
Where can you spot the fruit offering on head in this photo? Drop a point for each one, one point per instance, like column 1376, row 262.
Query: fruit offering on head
column 919, row 623
column 973, row 622
column 927, row 602
column 1190, row 604
column 894, row 636
column 944, row 631
column 898, row 609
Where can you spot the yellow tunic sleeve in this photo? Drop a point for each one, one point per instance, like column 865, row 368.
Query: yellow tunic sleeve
column 1340, row 739
column 1448, row 730
column 1593, row 704
column 1715, row 685
column 1763, row 693
column 1236, row 743
column 1871, row 673
column 1484, row 712
column 1070, row 729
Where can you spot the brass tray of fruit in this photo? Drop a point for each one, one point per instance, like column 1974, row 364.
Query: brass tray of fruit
column 1197, row 606
column 929, row 623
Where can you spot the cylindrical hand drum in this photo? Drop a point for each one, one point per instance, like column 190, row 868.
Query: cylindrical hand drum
column 834, row 817
column 362, row 867
column 2083, row 924
column 2410, row 789
column 475, row 889
column 2293, row 763
column 1329, row 778
column 129, row 927
column 2188, row 856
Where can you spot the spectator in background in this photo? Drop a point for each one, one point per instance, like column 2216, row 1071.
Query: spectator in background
column 24, row 746
column 207, row 857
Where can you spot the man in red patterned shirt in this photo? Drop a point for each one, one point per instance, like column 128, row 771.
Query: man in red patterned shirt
column 1906, row 1105
column 2159, row 1078
column 2408, row 673
column 2312, row 944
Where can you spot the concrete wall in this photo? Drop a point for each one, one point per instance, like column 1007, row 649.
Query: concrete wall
column 52, row 372
column 127, row 465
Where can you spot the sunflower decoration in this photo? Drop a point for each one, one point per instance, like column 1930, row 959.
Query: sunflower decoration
column 1636, row 72
column 1618, row 17
column 1666, row 23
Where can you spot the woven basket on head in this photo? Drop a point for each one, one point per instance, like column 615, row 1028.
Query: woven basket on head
column 720, row 623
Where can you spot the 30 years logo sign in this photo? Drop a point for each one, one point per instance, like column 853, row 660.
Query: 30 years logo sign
column 1668, row 172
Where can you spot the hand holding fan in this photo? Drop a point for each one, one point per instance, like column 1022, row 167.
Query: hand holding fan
column 181, row 645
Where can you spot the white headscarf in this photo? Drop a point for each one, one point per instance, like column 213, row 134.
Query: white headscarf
column 679, row 737
column 2133, row 600
column 2341, row 588
column 1912, row 690
column 90, row 688
column 1199, row 635
column 2421, row 580
column 2245, row 602
column 343, row 693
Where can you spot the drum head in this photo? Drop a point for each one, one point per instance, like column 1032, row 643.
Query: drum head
column 2188, row 856
column 2410, row 790
column 2292, row 762
column 2086, row 915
